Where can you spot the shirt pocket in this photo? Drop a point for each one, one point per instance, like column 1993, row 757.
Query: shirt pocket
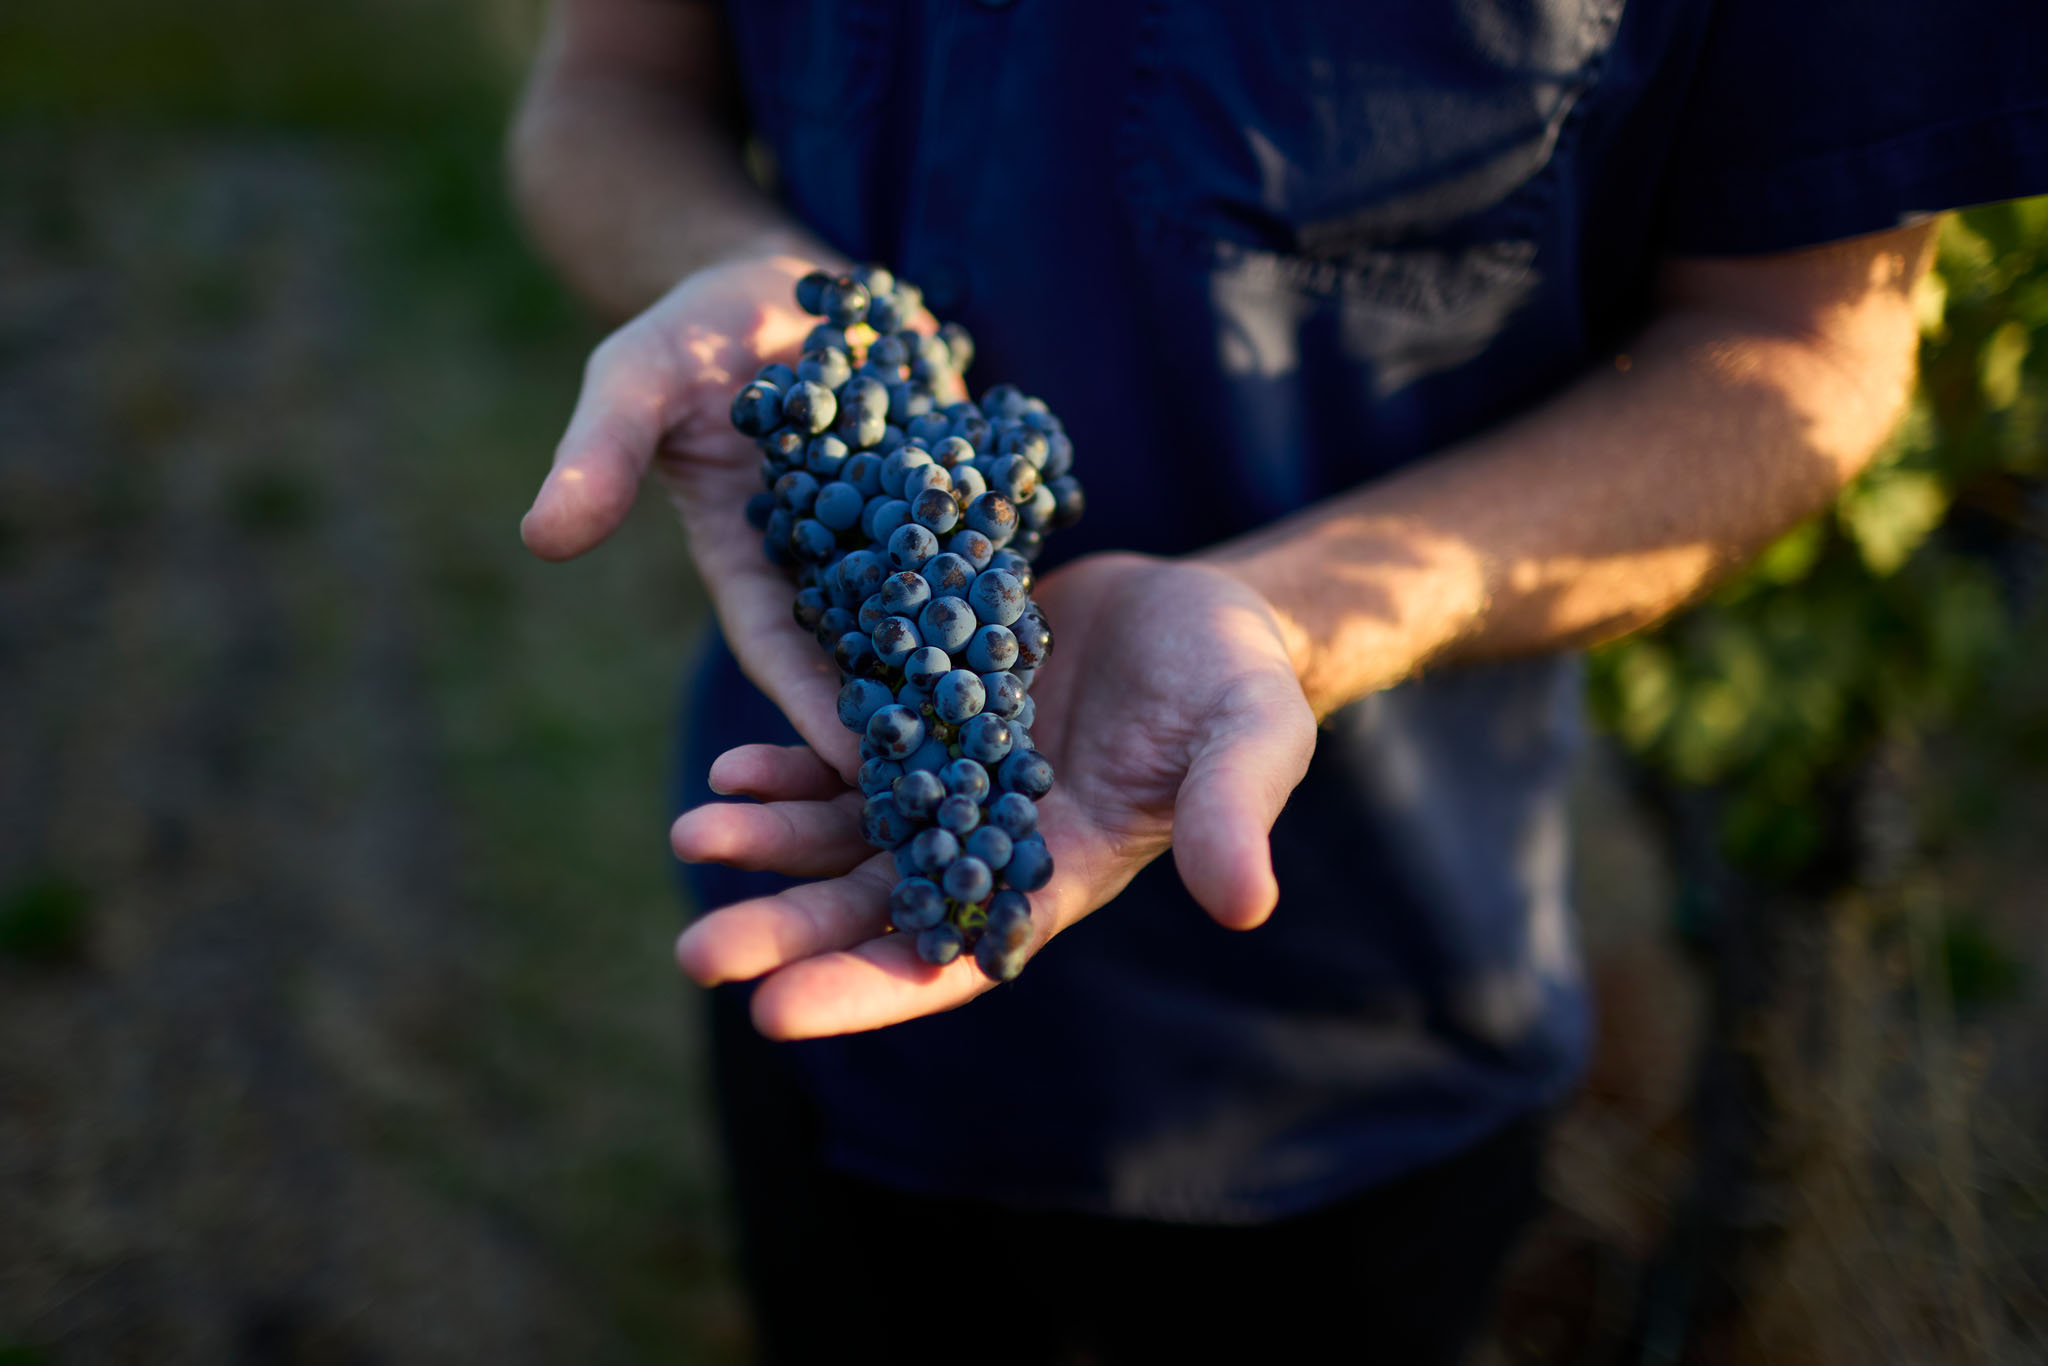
column 1333, row 134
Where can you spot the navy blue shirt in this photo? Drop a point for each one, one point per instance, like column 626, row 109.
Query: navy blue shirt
column 1255, row 255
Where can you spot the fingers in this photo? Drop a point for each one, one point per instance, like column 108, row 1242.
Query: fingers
column 775, row 773
column 880, row 982
column 1224, row 813
column 783, row 660
column 801, row 839
column 750, row 938
column 598, row 464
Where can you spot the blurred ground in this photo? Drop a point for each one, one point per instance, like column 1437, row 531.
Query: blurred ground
column 336, row 1016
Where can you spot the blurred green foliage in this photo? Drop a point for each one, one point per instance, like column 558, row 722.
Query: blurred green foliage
column 1864, row 622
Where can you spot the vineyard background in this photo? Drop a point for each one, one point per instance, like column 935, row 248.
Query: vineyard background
column 336, row 1021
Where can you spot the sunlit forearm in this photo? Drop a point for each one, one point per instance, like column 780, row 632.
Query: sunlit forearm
column 1605, row 509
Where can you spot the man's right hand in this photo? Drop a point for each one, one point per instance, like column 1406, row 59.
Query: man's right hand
column 658, row 392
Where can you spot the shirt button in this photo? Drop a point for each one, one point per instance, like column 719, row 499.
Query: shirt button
column 945, row 287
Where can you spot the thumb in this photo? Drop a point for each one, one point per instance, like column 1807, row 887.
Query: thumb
column 611, row 440
column 1223, row 816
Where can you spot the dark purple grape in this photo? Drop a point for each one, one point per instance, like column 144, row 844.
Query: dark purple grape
column 777, row 374
column 947, row 623
column 1030, row 864
column 918, row 794
column 916, row 904
column 837, row 622
column 911, row 545
column 905, row 593
column 758, row 508
column 809, row 407
column 1026, row 771
column 796, row 491
column 957, row 696
column 1034, row 640
column 872, row 613
column 757, row 409
column 972, row 547
column 994, row 516
column 1008, row 918
column 988, row 844
column 863, row 470
column 877, row 776
column 930, row 757
column 934, row 849
column 883, row 517
column 859, row 700
column 991, row 650
column 940, row 945
column 856, row 657
column 1015, row 477
column 897, row 465
column 810, row 293
column 828, row 365
column 885, row 827
column 968, row 879
column 965, row 778
column 844, row 301
column 935, row 511
column 959, row 813
column 949, row 575
column 925, row 667
column 997, row 597
column 1003, row 694
column 895, row 638
column 985, row 739
column 1014, row 814
column 824, row 336
column 896, row 731
column 997, row 963
column 826, row 456
column 839, row 506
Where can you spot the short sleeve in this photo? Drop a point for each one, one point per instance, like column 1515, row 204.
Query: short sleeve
column 1812, row 120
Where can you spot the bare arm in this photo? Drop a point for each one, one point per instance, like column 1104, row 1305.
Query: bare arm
column 625, row 153
column 1761, row 388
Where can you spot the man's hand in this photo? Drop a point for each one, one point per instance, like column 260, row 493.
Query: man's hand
column 1171, row 714
column 658, row 392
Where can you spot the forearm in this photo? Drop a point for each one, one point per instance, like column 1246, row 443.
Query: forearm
column 625, row 156
column 1626, row 496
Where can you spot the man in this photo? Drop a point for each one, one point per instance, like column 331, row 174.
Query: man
column 1403, row 346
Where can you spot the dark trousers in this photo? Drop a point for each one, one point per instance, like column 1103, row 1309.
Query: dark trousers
column 840, row 1269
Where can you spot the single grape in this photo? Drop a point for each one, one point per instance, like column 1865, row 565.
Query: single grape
column 988, row 844
column 757, row 409
column 796, row 491
column 959, row 813
column 758, row 508
column 885, row 827
column 895, row 638
column 936, row 511
column 1004, row 695
column 965, row 778
column 918, row 794
column 844, row 301
column 947, row 623
column 810, row 607
column 968, row 879
column 836, row 622
column 996, row 963
column 1026, row 771
column 940, row 945
column 1014, row 814
column 949, row 575
column 905, row 593
column 859, row 700
column 957, row 696
column 994, row 516
column 929, row 757
column 863, row 470
column 1030, row 864
column 1008, row 919
column 916, row 904
column 925, row 667
column 911, row 545
column 985, row 739
column 828, row 365
column 992, row 649
column 809, row 407
column 997, row 597
column 932, row 850
column 839, row 506
column 872, row 613
column 825, row 456
column 878, row 776
column 1034, row 640
column 883, row 517
column 856, row 657
column 896, row 731
column 972, row 547
column 810, row 292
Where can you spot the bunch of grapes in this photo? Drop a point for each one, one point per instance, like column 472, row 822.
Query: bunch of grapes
column 912, row 524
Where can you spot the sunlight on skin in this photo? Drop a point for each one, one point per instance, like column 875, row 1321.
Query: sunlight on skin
column 1208, row 736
